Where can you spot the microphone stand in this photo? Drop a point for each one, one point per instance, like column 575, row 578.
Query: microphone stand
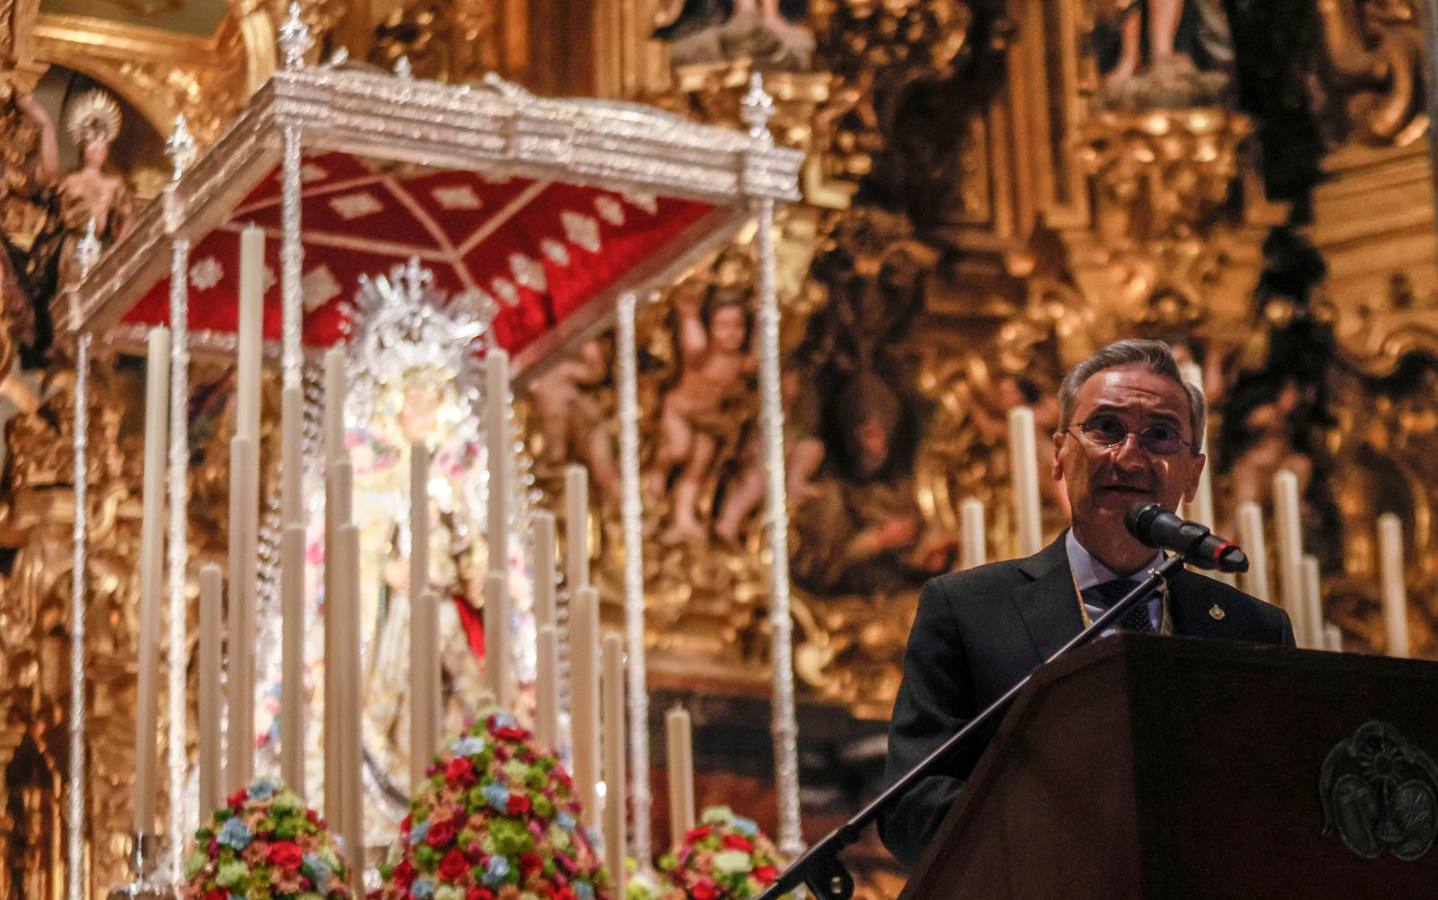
column 820, row 868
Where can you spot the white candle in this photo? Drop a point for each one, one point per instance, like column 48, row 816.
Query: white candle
column 544, row 568
column 251, row 335
column 1312, row 603
column 1250, row 535
column 615, row 804
column 496, row 386
column 974, row 549
column 240, row 652
column 1289, row 528
column 1391, row 585
column 152, row 553
column 680, row 752
column 1332, row 638
column 546, row 686
column 336, row 514
column 1023, row 463
column 576, row 527
column 212, row 598
column 1201, row 509
column 584, row 693
column 351, row 707
column 334, row 411
column 496, row 638
column 292, row 657
column 424, row 623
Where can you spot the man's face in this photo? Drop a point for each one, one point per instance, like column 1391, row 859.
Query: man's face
column 1104, row 482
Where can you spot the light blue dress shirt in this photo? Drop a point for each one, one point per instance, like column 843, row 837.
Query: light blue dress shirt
column 1089, row 572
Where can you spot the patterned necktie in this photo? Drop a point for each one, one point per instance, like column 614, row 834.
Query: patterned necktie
column 1106, row 595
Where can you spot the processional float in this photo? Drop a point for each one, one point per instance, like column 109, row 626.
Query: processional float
column 523, row 226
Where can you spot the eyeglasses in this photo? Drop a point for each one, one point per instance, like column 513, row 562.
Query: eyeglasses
column 1107, row 430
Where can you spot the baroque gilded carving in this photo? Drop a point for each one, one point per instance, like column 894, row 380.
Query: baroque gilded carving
column 1374, row 50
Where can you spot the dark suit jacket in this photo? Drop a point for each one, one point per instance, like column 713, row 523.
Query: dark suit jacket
column 979, row 632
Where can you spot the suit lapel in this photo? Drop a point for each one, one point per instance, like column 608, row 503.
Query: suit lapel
column 1047, row 604
column 1190, row 606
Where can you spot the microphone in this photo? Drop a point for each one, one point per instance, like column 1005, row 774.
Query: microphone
column 1155, row 526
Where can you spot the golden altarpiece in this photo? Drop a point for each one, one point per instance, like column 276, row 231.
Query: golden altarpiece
column 993, row 188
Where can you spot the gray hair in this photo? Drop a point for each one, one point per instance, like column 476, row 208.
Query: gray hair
column 1155, row 356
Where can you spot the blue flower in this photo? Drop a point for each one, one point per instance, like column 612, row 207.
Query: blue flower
column 319, row 871
column 496, row 871
column 417, row 834
column 564, row 820
column 746, row 827
column 263, row 789
column 235, row 833
column 470, row 746
column 504, row 720
column 497, row 796
column 423, row 889
column 583, row 891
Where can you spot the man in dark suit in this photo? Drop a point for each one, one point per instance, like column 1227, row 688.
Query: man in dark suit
column 1130, row 431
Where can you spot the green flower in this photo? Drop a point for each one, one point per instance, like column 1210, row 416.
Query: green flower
column 426, row 858
column 558, row 837
column 511, row 837
column 543, row 806
column 232, row 874
column 717, row 815
column 448, row 892
column 196, row 863
column 729, row 861
column 288, row 803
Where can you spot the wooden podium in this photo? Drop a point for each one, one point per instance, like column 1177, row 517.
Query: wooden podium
column 1157, row 767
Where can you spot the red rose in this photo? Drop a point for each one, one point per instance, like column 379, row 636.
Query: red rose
column 737, row 842
column 563, row 892
column 460, row 771
column 479, row 893
column 217, row 894
column 704, row 890
column 766, row 874
column 440, row 834
column 518, row 803
column 698, row 834
column 454, row 865
column 529, row 863
column 286, row 855
column 314, row 818
column 403, row 874
column 511, row 733
column 238, row 798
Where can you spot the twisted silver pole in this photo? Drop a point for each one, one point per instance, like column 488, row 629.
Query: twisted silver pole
column 75, row 836
column 632, row 512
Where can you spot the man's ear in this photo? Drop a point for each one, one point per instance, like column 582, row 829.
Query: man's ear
column 1056, row 469
column 1191, row 491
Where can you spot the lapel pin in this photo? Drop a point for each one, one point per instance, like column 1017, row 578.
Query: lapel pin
column 1216, row 612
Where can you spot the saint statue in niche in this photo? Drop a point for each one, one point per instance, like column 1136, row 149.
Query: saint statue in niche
column 716, row 365
column 768, row 32
column 1163, row 53
column 92, row 193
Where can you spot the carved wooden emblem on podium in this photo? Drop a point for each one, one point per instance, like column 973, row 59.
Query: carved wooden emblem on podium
column 1380, row 794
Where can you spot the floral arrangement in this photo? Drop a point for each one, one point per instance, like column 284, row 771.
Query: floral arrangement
column 265, row 844
column 725, row 857
column 497, row 819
